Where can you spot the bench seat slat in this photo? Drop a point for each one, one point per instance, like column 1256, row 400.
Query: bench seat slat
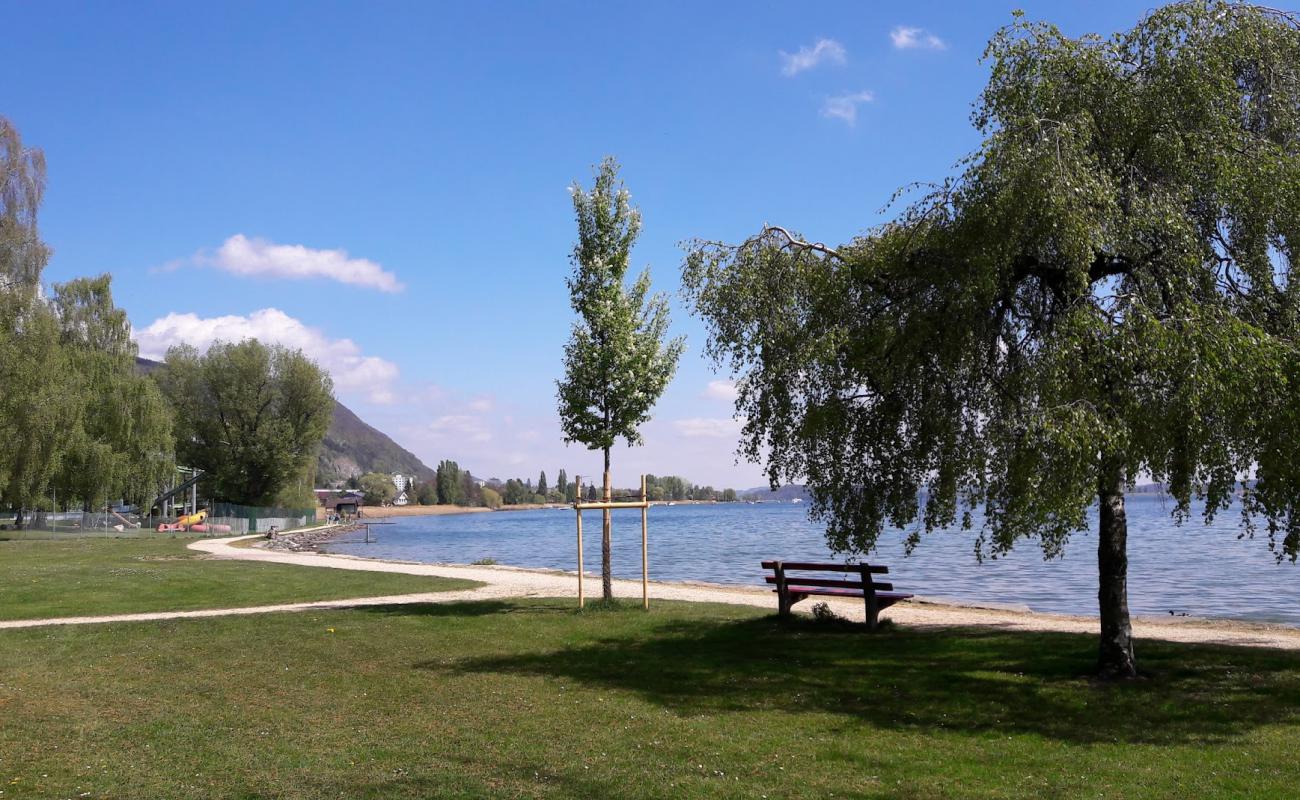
column 881, row 596
column 817, row 566
column 831, row 582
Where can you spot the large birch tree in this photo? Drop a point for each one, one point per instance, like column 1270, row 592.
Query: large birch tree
column 1105, row 293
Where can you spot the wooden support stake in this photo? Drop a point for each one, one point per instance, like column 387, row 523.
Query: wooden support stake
column 578, row 507
column 645, row 567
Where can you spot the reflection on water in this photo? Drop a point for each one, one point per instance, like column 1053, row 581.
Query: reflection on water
column 1188, row 570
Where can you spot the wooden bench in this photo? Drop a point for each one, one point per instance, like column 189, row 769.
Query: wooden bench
column 791, row 589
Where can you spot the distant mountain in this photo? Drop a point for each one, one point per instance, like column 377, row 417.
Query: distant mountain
column 783, row 495
column 351, row 447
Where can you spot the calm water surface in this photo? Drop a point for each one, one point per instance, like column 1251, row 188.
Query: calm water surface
column 1191, row 569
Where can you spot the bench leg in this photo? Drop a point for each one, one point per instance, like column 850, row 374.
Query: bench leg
column 786, row 600
column 873, row 610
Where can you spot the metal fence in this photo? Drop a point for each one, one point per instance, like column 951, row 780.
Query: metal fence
column 78, row 524
column 74, row 525
column 255, row 519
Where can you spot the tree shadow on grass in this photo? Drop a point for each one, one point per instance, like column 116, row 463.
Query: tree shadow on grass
column 463, row 608
column 956, row 679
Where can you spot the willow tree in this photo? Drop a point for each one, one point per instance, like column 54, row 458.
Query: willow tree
column 1104, row 293
column 122, row 446
column 37, row 398
column 22, row 184
column 251, row 416
column 616, row 362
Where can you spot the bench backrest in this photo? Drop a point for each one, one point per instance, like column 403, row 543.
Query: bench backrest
column 782, row 578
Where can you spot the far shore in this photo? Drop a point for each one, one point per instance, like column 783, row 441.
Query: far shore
column 380, row 512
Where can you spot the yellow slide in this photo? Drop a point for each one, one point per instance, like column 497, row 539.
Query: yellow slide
column 192, row 519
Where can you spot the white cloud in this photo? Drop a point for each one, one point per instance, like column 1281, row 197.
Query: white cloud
column 461, row 427
column 722, row 390
column 481, row 404
column 827, row 50
column 342, row 358
column 706, row 428
column 845, row 106
column 244, row 256
column 907, row 38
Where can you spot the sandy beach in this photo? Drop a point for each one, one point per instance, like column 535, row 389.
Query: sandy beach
column 512, row 582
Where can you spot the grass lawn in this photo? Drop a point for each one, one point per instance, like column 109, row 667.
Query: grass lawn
column 532, row 698
column 122, row 576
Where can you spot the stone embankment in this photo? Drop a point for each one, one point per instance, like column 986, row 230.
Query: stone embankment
column 307, row 540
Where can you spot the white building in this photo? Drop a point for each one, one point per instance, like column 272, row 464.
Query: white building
column 402, row 483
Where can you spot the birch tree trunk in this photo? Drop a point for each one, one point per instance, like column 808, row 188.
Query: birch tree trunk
column 1115, row 659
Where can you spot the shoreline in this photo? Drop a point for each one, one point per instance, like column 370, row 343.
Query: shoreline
column 383, row 512
column 934, row 612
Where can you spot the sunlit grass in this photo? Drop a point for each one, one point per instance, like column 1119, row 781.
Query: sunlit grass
column 532, row 698
column 117, row 576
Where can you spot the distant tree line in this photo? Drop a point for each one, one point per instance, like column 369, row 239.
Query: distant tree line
column 453, row 486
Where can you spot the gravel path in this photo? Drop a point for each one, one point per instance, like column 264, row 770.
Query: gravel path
column 512, row 582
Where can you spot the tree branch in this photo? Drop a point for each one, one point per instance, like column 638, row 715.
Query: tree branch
column 799, row 244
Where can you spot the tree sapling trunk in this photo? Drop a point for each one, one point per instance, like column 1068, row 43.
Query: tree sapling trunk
column 606, row 578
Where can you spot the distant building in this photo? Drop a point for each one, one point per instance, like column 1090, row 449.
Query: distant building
column 403, row 483
column 340, row 501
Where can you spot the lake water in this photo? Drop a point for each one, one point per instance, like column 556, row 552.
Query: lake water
column 1192, row 569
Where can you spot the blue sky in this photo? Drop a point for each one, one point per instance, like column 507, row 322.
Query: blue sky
column 385, row 185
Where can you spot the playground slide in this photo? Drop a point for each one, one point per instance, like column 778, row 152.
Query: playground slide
column 193, row 522
column 128, row 523
column 204, row 527
column 192, row 519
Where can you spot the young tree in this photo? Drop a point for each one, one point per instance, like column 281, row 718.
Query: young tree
column 249, row 415
column 1106, row 292
column 616, row 363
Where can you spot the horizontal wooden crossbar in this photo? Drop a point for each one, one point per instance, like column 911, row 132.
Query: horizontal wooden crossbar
column 595, row 506
column 834, row 584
